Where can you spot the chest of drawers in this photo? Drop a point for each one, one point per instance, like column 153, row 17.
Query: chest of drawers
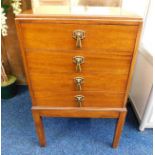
column 78, row 66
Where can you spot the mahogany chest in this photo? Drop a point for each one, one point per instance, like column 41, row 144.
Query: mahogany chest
column 78, row 66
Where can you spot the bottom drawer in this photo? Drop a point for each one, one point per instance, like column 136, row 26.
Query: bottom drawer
column 68, row 99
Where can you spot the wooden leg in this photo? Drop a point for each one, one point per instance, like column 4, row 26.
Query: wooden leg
column 39, row 128
column 119, row 128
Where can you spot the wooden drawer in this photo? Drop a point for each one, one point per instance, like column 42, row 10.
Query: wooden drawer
column 49, row 62
column 110, row 82
column 67, row 99
column 59, row 36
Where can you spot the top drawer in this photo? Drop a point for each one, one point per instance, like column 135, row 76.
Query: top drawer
column 59, row 36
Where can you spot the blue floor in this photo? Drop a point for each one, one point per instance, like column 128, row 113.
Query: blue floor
column 67, row 136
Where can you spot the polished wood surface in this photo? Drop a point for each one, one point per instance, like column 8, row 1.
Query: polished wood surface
column 98, row 70
column 77, row 112
column 39, row 128
column 91, row 82
column 118, row 130
column 67, row 99
column 133, row 62
column 109, row 49
column 48, row 62
column 59, row 36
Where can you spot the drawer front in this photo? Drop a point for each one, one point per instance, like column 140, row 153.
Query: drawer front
column 49, row 62
column 68, row 99
column 59, row 36
column 110, row 82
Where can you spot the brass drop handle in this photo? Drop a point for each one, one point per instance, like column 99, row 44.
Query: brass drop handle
column 79, row 81
column 78, row 60
column 79, row 99
column 78, row 35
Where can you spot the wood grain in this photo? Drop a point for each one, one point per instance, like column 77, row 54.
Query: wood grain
column 78, row 112
column 48, row 62
column 66, row 99
column 98, row 70
column 118, row 130
column 110, row 53
column 59, row 36
column 133, row 62
column 39, row 128
column 129, row 19
column 92, row 82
